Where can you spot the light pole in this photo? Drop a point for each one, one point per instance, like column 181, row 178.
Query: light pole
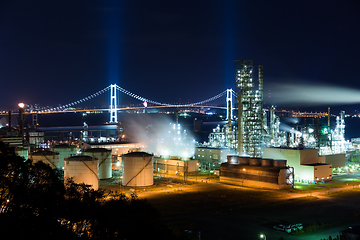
column 21, row 123
column 243, row 177
column 262, row 236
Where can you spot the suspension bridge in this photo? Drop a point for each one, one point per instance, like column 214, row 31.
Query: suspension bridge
column 113, row 107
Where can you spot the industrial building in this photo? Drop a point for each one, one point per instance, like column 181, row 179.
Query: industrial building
column 11, row 136
column 176, row 166
column 257, row 172
column 308, row 165
column 209, row 154
column 210, row 158
column 250, row 108
column 225, row 137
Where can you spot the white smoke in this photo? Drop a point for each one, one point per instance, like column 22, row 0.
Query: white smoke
column 165, row 138
column 311, row 94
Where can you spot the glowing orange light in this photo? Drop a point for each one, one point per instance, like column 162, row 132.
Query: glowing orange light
column 21, row 105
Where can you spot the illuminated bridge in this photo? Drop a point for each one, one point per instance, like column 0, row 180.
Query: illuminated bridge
column 113, row 94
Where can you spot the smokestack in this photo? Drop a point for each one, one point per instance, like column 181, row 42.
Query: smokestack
column 27, row 133
column 9, row 119
column 21, row 121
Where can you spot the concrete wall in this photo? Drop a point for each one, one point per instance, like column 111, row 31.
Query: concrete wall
column 304, row 173
column 308, row 156
column 336, row 160
column 301, row 160
column 252, row 183
column 176, row 166
column 211, row 154
column 323, row 173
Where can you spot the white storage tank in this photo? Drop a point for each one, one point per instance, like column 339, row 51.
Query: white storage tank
column 105, row 161
column 82, row 169
column 137, row 169
column 65, row 151
column 49, row 157
column 22, row 152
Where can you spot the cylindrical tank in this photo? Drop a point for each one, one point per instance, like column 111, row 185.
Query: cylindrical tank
column 65, row 151
column 22, row 152
column 105, row 161
column 233, row 159
column 137, row 169
column 279, row 163
column 244, row 160
column 49, row 157
column 267, row 162
column 82, row 169
column 255, row 161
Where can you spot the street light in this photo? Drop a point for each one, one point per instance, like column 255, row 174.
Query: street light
column 262, row 236
column 21, row 126
column 243, row 177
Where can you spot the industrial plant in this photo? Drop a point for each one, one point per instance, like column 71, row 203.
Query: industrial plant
column 252, row 148
column 314, row 150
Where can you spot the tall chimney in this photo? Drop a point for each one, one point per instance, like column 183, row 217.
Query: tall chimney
column 9, row 119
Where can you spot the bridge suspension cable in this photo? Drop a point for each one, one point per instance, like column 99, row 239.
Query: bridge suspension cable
column 234, row 93
column 98, row 93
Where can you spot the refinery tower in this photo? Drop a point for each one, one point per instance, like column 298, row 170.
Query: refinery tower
column 250, row 108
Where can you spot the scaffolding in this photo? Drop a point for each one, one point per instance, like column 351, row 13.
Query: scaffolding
column 250, row 108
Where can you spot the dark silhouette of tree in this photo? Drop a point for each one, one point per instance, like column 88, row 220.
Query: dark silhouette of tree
column 36, row 203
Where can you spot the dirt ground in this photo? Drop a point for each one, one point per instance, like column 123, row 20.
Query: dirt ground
column 221, row 211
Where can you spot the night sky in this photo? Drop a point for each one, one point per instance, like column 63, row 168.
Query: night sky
column 56, row 52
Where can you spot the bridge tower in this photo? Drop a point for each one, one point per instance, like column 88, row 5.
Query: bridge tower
column 113, row 104
column 229, row 104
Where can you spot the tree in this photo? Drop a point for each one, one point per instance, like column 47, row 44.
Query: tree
column 36, row 203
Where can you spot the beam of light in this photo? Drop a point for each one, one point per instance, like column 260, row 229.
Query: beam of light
column 229, row 28
column 312, row 94
column 113, row 30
